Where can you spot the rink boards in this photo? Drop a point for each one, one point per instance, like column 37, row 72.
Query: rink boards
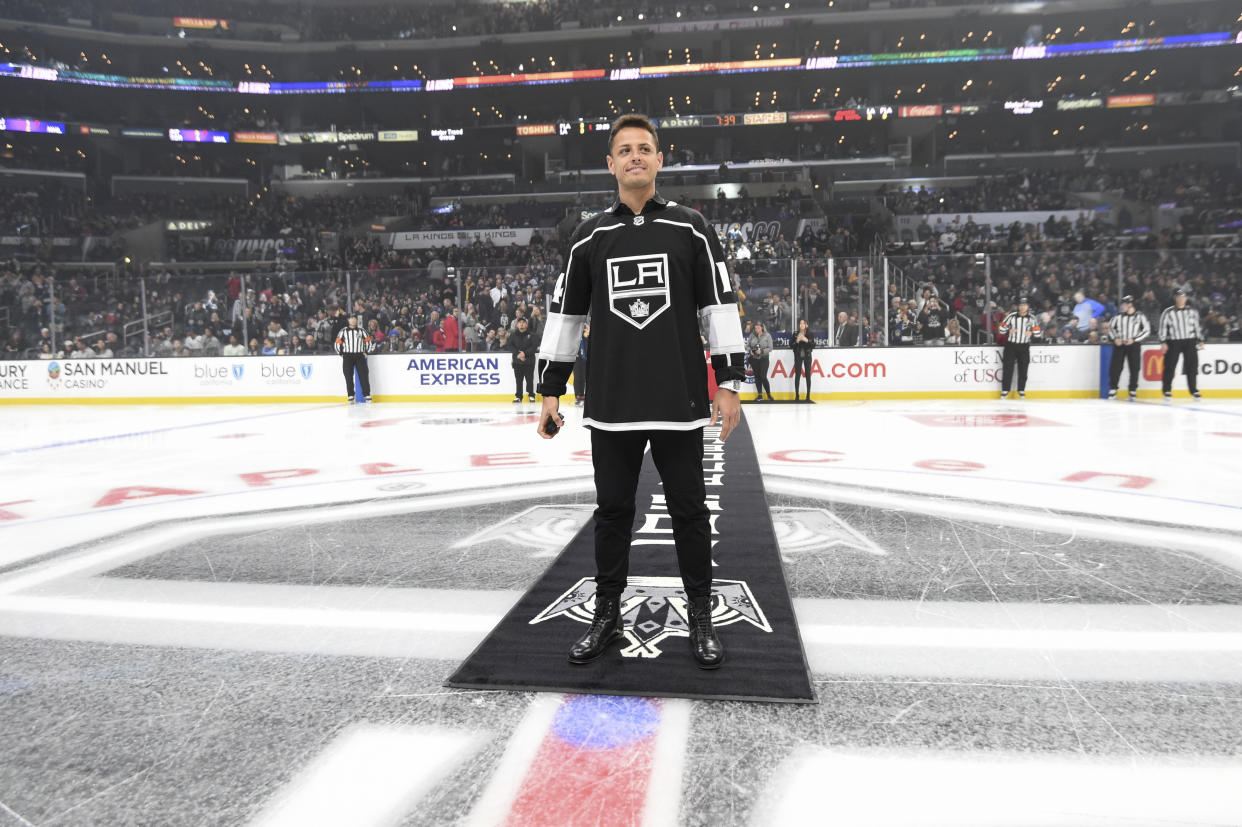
column 840, row 373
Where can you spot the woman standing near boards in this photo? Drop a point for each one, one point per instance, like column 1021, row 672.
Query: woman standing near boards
column 803, row 344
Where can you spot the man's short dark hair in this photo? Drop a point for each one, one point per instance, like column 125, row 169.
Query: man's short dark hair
column 633, row 119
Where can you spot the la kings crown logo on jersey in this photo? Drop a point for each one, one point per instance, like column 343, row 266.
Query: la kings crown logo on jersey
column 638, row 287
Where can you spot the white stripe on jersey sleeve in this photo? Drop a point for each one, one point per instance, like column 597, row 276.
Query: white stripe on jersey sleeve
column 561, row 336
column 724, row 329
column 724, row 277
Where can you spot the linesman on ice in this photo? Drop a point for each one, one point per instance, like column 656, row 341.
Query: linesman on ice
column 1019, row 328
column 1127, row 329
column 1181, row 335
column 645, row 270
column 353, row 344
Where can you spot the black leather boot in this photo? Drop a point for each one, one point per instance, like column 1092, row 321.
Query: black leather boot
column 703, row 641
column 605, row 630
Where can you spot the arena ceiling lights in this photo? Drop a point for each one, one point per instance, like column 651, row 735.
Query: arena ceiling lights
column 832, row 63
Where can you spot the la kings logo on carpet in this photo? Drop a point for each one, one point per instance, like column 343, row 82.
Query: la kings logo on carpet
column 638, row 287
column 654, row 609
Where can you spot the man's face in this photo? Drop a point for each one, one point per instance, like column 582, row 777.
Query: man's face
column 633, row 158
column 1180, row 301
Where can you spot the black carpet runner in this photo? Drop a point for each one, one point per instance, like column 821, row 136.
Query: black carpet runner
column 751, row 607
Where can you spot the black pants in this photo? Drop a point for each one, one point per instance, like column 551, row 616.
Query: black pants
column 1124, row 356
column 759, row 366
column 1019, row 355
column 802, row 367
column 350, row 361
column 1182, row 347
column 618, row 458
column 524, row 373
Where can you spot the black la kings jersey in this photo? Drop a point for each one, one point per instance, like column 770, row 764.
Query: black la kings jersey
column 644, row 280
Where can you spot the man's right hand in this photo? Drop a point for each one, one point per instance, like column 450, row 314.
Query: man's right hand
column 548, row 413
column 1164, row 348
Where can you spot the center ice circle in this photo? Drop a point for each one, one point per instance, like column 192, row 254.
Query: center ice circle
column 605, row 721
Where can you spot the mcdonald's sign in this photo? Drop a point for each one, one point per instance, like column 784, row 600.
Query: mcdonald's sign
column 1153, row 364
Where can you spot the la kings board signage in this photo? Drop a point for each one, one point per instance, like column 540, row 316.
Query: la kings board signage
column 638, row 287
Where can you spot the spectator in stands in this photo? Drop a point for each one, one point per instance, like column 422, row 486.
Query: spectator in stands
column 450, row 329
column 276, row 333
column 193, row 342
column 210, row 343
column 470, row 329
column 1085, row 312
column 847, row 331
column 931, row 322
column 305, row 346
column 15, row 346
column 234, row 347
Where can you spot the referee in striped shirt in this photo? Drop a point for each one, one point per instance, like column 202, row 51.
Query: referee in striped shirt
column 353, row 343
column 1127, row 329
column 1019, row 329
column 1181, row 334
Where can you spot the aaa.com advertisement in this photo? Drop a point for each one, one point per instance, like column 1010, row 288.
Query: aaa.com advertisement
column 1063, row 371
column 933, row 371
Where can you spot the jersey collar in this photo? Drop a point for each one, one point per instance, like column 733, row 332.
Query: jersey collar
column 656, row 202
